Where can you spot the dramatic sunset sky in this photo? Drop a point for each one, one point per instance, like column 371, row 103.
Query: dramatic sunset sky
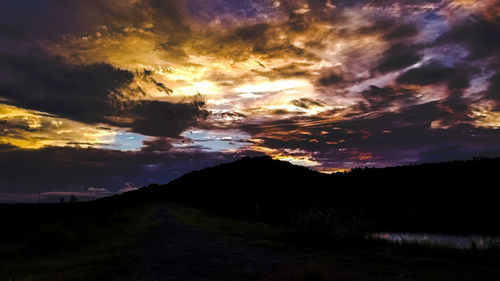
column 102, row 96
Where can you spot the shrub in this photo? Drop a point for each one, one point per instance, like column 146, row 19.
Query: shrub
column 328, row 227
column 53, row 237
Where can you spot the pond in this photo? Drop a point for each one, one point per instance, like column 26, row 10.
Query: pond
column 451, row 241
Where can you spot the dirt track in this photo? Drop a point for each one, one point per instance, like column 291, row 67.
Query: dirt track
column 174, row 251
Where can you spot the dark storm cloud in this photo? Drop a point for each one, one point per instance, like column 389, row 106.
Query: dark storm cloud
column 429, row 74
column 381, row 98
column 377, row 27
column 76, row 170
column 456, row 77
column 40, row 22
column 458, row 109
column 157, row 144
column 401, row 31
column 398, row 57
column 49, row 84
column 11, row 31
column 147, row 76
column 390, row 29
column 50, row 19
column 251, row 32
column 170, row 18
column 171, row 13
column 330, row 79
column 157, row 118
column 480, row 36
column 493, row 91
column 90, row 94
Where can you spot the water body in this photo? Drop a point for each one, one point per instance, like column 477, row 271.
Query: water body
column 451, row 241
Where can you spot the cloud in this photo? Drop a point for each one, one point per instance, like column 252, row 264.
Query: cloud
column 32, row 129
column 307, row 103
column 157, row 118
column 48, row 84
column 494, row 88
column 480, row 36
column 10, row 32
column 169, row 14
column 382, row 98
column 447, row 153
column 77, row 170
column 399, row 138
column 91, row 94
column 401, row 31
column 328, row 84
column 127, row 189
column 256, row 32
column 457, row 77
column 398, row 57
column 291, row 70
column 330, row 79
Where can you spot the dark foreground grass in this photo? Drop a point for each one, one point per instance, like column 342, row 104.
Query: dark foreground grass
column 87, row 247
column 369, row 260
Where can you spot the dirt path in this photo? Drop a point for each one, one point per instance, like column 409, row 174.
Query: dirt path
column 175, row 251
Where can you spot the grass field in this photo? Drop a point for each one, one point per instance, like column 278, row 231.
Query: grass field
column 371, row 260
column 90, row 246
column 87, row 242
column 253, row 232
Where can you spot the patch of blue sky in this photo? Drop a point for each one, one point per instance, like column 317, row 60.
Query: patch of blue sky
column 214, row 140
column 126, row 141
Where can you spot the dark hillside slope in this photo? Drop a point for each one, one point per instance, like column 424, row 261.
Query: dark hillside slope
column 442, row 197
column 272, row 188
column 451, row 196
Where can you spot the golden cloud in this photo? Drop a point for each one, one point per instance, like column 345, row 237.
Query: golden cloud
column 34, row 130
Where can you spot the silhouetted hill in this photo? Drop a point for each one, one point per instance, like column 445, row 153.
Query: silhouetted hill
column 235, row 188
column 441, row 197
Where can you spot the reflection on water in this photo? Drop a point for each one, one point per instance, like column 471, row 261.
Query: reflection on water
column 452, row 241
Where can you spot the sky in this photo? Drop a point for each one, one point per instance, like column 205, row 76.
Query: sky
column 99, row 97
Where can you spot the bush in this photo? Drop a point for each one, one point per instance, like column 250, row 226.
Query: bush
column 53, row 237
column 328, row 227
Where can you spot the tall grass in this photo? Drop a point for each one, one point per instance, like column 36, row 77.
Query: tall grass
column 84, row 247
